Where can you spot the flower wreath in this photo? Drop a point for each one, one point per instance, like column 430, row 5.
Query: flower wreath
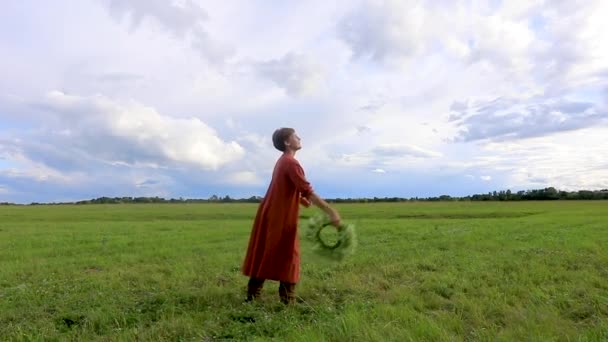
column 344, row 246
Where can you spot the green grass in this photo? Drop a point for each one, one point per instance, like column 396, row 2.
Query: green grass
column 527, row 271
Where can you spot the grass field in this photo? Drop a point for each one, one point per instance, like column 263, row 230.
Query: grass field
column 526, row 271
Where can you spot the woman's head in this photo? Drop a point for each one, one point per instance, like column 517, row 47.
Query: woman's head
column 285, row 139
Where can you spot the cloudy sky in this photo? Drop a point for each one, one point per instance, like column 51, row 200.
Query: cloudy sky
column 391, row 98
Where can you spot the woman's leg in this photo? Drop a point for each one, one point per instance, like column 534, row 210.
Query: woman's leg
column 287, row 292
column 254, row 288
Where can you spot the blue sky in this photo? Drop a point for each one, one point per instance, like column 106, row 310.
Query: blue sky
column 391, row 98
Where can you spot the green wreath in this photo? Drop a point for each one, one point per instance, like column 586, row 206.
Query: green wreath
column 344, row 246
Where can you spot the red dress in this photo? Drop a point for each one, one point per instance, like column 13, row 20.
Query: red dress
column 274, row 249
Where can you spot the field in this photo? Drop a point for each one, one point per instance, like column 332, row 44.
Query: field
column 525, row 271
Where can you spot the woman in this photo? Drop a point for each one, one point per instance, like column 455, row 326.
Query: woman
column 274, row 249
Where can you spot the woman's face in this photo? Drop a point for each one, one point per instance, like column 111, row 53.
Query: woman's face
column 293, row 142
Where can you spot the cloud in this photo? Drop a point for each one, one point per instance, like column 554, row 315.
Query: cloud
column 384, row 30
column 99, row 128
column 502, row 41
column 363, row 129
column 33, row 181
column 243, row 178
column 393, row 31
column 459, row 106
column 296, row 73
column 402, row 150
column 178, row 17
column 118, row 77
column 147, row 183
column 387, row 155
column 373, row 106
column 571, row 160
column 569, row 53
column 486, row 178
column 504, row 118
column 27, row 170
column 554, row 43
column 183, row 19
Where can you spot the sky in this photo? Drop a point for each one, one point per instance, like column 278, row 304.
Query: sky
column 391, row 98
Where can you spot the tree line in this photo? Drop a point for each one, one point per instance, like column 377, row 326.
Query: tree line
column 156, row 199
column 546, row 194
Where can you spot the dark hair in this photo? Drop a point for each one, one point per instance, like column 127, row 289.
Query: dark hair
column 280, row 135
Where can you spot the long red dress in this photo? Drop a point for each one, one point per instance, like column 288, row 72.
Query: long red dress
column 274, row 249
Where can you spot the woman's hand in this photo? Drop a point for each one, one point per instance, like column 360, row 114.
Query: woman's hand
column 334, row 218
column 305, row 202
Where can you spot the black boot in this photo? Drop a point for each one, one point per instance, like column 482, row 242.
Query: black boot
column 254, row 288
column 287, row 292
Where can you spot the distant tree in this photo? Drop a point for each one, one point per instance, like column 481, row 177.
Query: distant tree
column 551, row 193
column 585, row 194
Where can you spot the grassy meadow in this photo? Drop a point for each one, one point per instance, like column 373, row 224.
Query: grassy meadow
column 525, row 271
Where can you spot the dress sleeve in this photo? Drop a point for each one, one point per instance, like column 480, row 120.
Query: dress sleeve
column 297, row 177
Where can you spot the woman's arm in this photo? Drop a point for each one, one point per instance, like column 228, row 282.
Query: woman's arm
column 319, row 202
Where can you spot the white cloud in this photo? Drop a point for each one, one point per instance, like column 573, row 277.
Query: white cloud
column 145, row 183
column 183, row 19
column 501, row 41
column 397, row 31
column 526, row 117
column 118, row 77
column 243, row 178
column 29, row 170
column 389, row 156
column 133, row 133
column 363, row 130
column 526, row 41
column 573, row 54
column 403, row 150
column 486, row 178
column 386, row 30
column 297, row 74
column 570, row 160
